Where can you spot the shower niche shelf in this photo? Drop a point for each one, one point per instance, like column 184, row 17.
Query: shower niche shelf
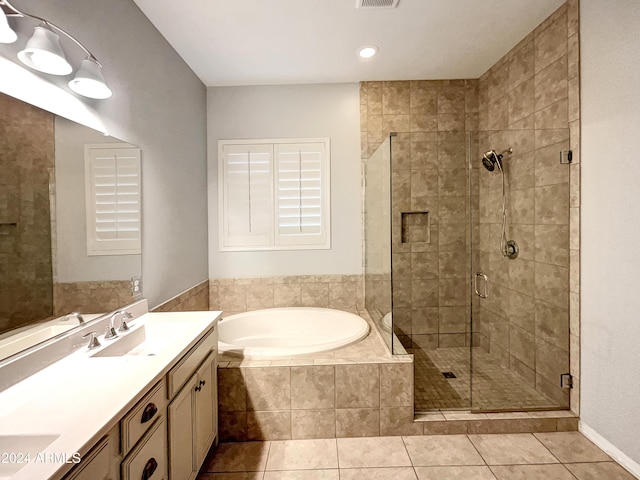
column 415, row 227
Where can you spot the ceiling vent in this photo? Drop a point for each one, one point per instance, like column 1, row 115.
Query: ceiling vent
column 371, row 4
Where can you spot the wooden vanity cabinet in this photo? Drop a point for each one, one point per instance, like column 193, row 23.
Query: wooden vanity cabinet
column 192, row 414
column 154, row 441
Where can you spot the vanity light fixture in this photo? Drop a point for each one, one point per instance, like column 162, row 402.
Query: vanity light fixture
column 367, row 51
column 44, row 53
column 7, row 35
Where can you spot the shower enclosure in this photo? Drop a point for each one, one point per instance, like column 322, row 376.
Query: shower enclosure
column 466, row 265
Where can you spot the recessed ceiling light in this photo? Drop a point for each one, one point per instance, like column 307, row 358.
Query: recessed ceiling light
column 367, row 51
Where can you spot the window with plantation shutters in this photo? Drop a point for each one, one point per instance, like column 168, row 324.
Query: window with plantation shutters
column 112, row 189
column 274, row 194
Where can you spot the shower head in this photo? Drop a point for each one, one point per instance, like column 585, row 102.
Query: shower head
column 490, row 159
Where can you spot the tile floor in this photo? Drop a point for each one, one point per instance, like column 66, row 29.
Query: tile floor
column 494, row 387
column 540, row 456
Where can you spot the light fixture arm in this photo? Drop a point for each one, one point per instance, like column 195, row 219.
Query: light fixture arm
column 18, row 13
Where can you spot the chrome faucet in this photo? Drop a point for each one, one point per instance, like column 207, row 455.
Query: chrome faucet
column 72, row 315
column 111, row 331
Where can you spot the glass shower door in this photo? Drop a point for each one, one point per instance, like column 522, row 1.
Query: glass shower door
column 520, row 273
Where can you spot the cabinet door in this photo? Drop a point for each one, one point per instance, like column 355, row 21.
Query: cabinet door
column 181, row 444
column 96, row 464
column 205, row 411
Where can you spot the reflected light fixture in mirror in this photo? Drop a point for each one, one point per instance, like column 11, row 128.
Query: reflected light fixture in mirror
column 44, row 53
column 7, row 35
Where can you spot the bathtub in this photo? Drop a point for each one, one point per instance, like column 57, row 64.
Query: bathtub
column 289, row 332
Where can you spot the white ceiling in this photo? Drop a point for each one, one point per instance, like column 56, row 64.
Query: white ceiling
column 266, row 42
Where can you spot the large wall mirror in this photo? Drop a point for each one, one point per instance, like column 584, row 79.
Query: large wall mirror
column 70, row 224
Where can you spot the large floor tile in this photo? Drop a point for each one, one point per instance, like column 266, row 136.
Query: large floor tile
column 442, row 450
column 231, row 476
column 532, row 472
column 303, row 475
column 395, row 473
column 512, row 449
column 599, row 471
column 454, row 473
column 238, row 457
column 311, row 454
column 572, row 447
column 372, row 452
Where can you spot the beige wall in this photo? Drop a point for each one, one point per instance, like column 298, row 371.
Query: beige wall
column 610, row 410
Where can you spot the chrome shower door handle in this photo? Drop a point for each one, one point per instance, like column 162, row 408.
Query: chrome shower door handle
column 486, row 285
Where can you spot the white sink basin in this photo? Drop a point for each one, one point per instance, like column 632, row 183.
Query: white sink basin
column 20, row 450
column 123, row 344
column 140, row 341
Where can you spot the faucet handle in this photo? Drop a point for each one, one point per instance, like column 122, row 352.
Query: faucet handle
column 123, row 326
column 111, row 332
column 93, row 341
column 72, row 315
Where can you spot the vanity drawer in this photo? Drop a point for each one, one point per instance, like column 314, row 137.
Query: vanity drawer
column 141, row 417
column 184, row 369
column 148, row 461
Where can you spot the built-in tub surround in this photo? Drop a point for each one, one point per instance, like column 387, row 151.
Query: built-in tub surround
column 48, row 401
column 289, row 332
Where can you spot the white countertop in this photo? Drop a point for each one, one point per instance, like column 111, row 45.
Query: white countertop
column 81, row 398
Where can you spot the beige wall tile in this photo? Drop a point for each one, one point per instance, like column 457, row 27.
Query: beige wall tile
column 521, row 64
column 573, row 55
column 259, row 296
column 424, row 293
column 552, row 244
column 396, row 385
column 357, row 422
column 312, row 387
column 548, row 169
column 452, row 292
column 573, row 17
column 268, row 388
column 287, row 295
column 522, row 206
column 313, row 423
column 552, row 284
column 399, row 421
column 396, row 98
column 552, row 204
column 521, row 101
column 357, row 386
column 272, row 425
column 551, row 43
column 452, row 427
column 423, row 320
column 232, row 393
column 232, row 297
column 522, row 345
column 315, row 295
column 423, row 98
column 343, row 295
column 555, row 116
column 551, row 83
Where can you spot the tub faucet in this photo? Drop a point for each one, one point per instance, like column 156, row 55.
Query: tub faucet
column 72, row 315
column 111, row 331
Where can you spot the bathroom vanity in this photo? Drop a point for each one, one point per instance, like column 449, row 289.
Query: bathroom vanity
column 141, row 406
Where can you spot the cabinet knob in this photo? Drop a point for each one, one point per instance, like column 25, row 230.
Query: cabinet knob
column 202, row 382
column 149, row 412
column 198, row 388
column 149, row 469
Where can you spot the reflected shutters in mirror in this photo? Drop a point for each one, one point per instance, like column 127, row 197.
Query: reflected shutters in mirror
column 112, row 176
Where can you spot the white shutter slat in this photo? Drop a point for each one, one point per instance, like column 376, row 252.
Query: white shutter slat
column 246, row 195
column 113, row 188
column 301, row 194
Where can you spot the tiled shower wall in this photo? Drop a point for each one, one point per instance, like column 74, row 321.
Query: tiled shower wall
column 430, row 203
column 342, row 292
column 26, row 163
column 529, row 101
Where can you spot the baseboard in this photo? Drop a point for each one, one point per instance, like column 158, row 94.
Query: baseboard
column 610, row 449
